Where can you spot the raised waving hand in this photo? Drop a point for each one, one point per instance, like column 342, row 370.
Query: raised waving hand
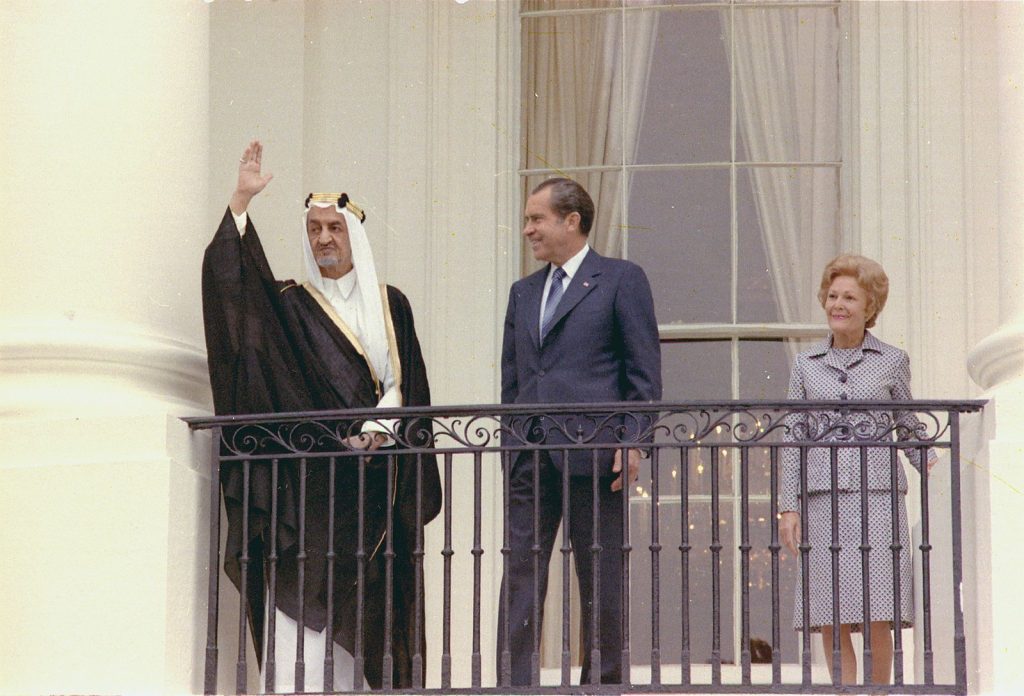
column 250, row 177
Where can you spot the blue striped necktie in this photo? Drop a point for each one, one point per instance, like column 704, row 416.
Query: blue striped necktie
column 554, row 295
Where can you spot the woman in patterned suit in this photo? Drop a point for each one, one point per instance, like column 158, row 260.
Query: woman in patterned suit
column 850, row 364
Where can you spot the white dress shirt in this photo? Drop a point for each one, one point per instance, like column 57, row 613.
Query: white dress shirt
column 570, row 267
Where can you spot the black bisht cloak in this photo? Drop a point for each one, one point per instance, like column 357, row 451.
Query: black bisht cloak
column 272, row 349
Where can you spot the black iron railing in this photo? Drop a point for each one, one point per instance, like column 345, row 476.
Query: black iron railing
column 699, row 458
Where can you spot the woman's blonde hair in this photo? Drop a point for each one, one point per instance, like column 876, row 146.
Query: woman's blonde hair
column 869, row 276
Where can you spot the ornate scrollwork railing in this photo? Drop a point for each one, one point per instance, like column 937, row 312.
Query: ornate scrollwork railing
column 751, row 444
column 578, row 426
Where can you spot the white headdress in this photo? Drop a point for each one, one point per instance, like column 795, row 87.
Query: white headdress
column 375, row 341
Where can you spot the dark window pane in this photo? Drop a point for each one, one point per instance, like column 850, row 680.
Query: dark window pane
column 679, row 232
column 686, row 112
column 788, row 220
column 695, row 370
column 764, row 368
column 755, row 294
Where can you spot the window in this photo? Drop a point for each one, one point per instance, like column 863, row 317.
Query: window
column 708, row 134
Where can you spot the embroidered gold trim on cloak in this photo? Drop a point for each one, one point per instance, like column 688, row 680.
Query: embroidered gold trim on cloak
column 393, row 357
column 393, row 345
column 396, row 372
column 394, row 499
column 344, row 328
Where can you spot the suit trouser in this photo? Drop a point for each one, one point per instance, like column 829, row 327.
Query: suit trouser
column 519, row 579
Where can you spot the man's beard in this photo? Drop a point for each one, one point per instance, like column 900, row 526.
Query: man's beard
column 327, row 261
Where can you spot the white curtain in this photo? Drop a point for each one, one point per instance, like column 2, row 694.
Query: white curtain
column 585, row 84
column 786, row 65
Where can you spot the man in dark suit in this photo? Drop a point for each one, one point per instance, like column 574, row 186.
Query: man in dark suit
column 581, row 329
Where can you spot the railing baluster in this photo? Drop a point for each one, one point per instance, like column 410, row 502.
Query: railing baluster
column 865, row 565
column 626, row 549
column 774, row 548
column 446, row 554
column 805, row 581
column 213, row 587
column 745, row 563
column 418, row 553
column 241, row 685
column 535, row 555
column 332, row 471
column 684, row 568
column 358, row 659
column 300, row 632
column 478, row 552
column 959, row 639
column 566, row 556
column 896, row 546
column 506, row 551
column 655, row 548
column 270, row 658
column 834, row 548
column 926, row 571
column 388, row 666
column 716, row 579
column 595, row 556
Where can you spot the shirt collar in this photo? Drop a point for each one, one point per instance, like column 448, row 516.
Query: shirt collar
column 869, row 343
column 572, row 265
column 343, row 285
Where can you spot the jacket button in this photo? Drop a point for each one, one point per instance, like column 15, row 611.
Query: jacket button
column 843, row 396
column 842, row 377
column 541, row 373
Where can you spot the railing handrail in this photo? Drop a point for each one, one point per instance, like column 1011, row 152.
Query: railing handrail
column 918, row 405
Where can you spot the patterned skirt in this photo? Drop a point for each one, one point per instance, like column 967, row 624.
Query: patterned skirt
column 880, row 561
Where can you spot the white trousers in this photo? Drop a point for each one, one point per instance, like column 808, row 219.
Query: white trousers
column 313, row 649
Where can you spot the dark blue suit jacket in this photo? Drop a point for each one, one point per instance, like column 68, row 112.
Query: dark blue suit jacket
column 602, row 346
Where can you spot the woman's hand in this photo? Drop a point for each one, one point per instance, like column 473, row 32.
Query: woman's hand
column 789, row 530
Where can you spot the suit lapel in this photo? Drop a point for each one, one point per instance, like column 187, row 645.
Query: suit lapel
column 582, row 283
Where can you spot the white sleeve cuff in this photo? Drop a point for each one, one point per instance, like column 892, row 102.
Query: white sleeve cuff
column 241, row 221
column 384, row 426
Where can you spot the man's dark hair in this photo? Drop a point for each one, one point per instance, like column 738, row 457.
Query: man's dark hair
column 569, row 197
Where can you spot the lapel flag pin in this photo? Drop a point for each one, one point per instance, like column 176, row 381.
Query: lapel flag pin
column 586, row 284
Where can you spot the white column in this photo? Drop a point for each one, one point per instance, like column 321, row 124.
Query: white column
column 104, row 197
column 103, row 213
column 996, row 363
